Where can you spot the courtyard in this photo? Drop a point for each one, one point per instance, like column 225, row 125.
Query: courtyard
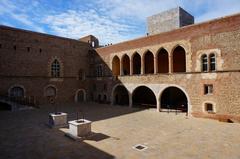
column 116, row 130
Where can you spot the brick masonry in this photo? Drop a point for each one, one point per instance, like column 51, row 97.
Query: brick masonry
column 31, row 68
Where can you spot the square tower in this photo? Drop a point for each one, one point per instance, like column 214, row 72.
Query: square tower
column 168, row 20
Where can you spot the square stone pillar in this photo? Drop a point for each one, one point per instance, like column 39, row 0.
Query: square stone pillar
column 142, row 66
column 155, row 65
column 170, row 64
column 57, row 120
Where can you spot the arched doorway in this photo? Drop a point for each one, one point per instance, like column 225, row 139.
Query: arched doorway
column 16, row 92
column 116, row 66
column 126, row 65
column 149, row 62
column 120, row 96
column 136, row 63
column 174, row 98
column 80, row 95
column 163, row 61
column 179, row 59
column 143, row 97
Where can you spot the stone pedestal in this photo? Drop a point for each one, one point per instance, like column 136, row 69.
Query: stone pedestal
column 79, row 129
column 57, row 120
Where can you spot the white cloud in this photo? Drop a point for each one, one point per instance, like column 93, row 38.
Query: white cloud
column 78, row 24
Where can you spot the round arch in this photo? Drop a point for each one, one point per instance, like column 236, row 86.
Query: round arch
column 50, row 90
column 17, row 91
column 120, row 95
column 174, row 97
column 80, row 95
column 143, row 96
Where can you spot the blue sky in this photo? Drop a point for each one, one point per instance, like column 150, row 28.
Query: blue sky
column 111, row 21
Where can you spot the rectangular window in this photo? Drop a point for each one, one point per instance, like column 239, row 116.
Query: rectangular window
column 15, row 47
column 0, row 46
column 209, row 107
column 208, row 89
column 99, row 71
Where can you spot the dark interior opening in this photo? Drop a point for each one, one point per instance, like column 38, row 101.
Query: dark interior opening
column 121, row 96
column 144, row 97
column 179, row 60
column 136, row 64
column 5, row 107
column 174, row 98
column 149, row 63
column 163, row 65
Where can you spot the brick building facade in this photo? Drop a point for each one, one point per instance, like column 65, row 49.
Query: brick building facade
column 195, row 69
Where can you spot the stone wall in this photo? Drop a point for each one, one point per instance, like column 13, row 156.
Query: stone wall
column 26, row 59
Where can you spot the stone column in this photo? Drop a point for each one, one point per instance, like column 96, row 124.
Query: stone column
column 131, row 67
column 130, row 100
column 121, row 68
column 158, row 106
column 170, row 66
column 142, row 66
column 155, row 65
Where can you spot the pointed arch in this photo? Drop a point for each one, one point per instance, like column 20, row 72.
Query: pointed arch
column 179, row 59
column 126, row 65
column 148, row 62
column 163, row 62
column 136, row 60
column 116, row 66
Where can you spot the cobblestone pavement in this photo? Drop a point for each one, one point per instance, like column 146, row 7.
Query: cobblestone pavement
column 116, row 129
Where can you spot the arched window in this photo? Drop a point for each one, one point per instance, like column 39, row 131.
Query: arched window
column 116, row 66
column 50, row 91
column 126, row 65
column 149, row 62
column 55, row 69
column 204, row 63
column 136, row 63
column 212, row 62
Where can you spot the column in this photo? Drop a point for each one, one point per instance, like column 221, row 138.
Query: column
column 158, row 106
column 131, row 67
column 155, row 65
column 130, row 100
column 170, row 69
column 142, row 66
column 121, row 68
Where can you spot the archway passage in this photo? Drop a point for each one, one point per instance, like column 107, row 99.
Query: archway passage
column 163, row 65
column 179, row 59
column 174, row 98
column 80, row 96
column 126, row 65
column 136, row 64
column 149, row 63
column 120, row 96
column 144, row 97
column 116, row 66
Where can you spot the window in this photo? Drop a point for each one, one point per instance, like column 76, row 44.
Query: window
column 40, row 50
column 212, row 62
column 209, row 108
column 17, row 92
column 208, row 89
column 15, row 47
column 55, row 69
column 0, row 46
column 28, row 49
column 99, row 71
column 204, row 63
column 50, row 91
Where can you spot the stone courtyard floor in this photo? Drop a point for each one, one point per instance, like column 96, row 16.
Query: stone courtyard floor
column 24, row 135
